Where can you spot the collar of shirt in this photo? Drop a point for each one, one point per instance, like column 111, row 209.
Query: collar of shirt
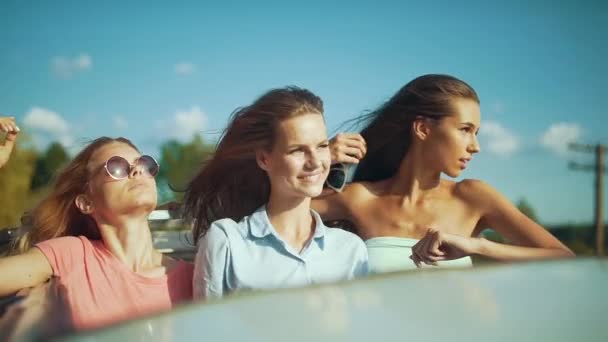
column 260, row 226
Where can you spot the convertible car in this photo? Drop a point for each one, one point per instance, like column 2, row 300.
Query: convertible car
column 560, row 300
column 541, row 301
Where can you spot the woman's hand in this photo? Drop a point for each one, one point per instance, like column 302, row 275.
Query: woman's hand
column 437, row 246
column 7, row 125
column 347, row 148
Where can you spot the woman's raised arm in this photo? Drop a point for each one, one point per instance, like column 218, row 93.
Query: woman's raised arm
column 25, row 270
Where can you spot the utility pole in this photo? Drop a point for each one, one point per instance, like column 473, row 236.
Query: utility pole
column 599, row 170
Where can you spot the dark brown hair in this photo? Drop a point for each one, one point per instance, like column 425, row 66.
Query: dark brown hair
column 388, row 132
column 230, row 183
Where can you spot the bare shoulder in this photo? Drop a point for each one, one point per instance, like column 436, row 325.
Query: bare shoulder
column 356, row 188
column 361, row 191
column 344, row 204
column 472, row 187
column 475, row 191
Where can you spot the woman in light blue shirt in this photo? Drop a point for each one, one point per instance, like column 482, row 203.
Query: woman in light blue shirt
column 250, row 202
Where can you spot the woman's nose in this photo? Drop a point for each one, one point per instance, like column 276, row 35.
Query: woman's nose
column 314, row 160
column 136, row 170
column 474, row 146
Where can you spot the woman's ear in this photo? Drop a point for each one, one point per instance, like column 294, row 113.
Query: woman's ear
column 261, row 157
column 421, row 128
column 84, row 204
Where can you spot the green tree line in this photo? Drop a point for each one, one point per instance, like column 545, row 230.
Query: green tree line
column 28, row 175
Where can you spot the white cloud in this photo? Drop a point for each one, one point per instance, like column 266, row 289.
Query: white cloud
column 498, row 140
column 83, row 62
column 120, row 122
column 181, row 126
column 46, row 126
column 65, row 67
column 557, row 137
column 67, row 141
column 186, row 123
column 184, row 68
column 45, row 120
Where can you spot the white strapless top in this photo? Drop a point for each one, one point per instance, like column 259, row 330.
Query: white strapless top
column 388, row 254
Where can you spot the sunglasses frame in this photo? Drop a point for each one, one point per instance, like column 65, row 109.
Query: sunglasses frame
column 131, row 166
column 340, row 167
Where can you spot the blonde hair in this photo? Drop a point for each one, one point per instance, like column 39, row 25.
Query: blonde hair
column 57, row 215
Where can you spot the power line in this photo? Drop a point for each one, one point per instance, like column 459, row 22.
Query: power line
column 599, row 169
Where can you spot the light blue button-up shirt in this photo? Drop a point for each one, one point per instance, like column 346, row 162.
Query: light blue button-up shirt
column 251, row 255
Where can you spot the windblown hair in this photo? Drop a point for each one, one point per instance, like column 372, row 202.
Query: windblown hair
column 230, row 184
column 57, row 215
column 388, row 132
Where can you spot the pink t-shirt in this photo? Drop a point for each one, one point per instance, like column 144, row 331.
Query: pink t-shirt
column 102, row 290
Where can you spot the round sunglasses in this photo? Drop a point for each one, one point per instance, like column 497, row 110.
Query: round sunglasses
column 119, row 168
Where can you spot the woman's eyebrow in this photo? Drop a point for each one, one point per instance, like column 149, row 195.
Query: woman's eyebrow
column 467, row 123
column 325, row 141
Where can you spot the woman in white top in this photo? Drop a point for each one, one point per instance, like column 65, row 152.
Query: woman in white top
column 250, row 202
column 410, row 216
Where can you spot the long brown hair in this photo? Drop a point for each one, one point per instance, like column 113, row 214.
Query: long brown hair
column 388, row 132
column 57, row 215
column 230, row 184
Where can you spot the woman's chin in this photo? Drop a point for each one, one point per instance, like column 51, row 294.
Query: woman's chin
column 453, row 173
column 143, row 207
column 308, row 192
column 313, row 191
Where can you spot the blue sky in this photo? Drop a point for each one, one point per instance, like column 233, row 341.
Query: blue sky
column 152, row 71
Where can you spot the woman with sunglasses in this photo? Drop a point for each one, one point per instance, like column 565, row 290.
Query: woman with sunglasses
column 250, row 202
column 407, row 214
column 91, row 235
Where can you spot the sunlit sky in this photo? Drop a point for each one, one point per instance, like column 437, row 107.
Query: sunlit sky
column 152, row 71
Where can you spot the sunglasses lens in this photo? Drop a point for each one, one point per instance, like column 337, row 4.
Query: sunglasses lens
column 150, row 165
column 118, row 167
column 336, row 178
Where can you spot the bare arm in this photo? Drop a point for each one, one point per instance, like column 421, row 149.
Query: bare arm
column 25, row 270
column 531, row 240
column 344, row 148
column 331, row 205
